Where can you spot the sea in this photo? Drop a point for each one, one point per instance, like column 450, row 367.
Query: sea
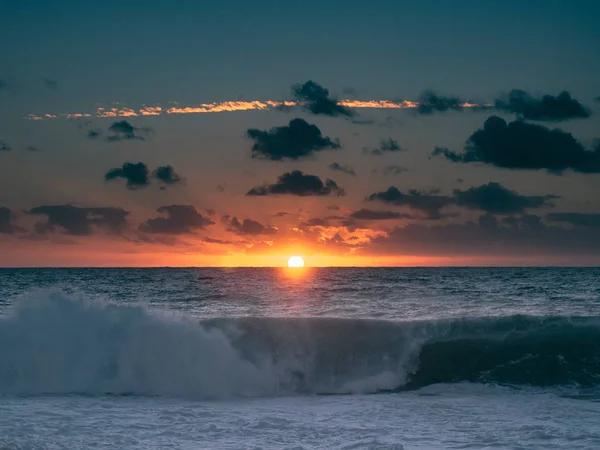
column 314, row 358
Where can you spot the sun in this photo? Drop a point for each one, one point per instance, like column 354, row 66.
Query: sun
column 296, row 261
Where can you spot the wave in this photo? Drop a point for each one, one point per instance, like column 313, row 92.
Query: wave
column 52, row 343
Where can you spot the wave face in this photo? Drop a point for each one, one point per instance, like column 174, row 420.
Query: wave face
column 55, row 344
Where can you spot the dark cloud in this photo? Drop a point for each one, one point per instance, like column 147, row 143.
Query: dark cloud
column 94, row 133
column 492, row 198
column 180, row 219
column 315, row 222
column 524, row 222
column 4, row 147
column 488, row 221
column 249, row 227
column 576, row 219
column 528, row 222
column 167, row 175
column 496, row 199
column 513, row 236
column 221, row 187
column 430, row 102
column 78, row 221
column 51, row 84
column 123, row 130
column 393, row 169
column 6, row 221
column 316, row 99
column 369, row 214
column 298, row 183
column 420, row 201
column 386, row 146
column 298, row 139
column 546, row 108
column 521, row 145
column 218, row 241
column 342, row 168
column 136, row 174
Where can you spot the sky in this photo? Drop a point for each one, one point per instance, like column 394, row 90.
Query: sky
column 351, row 133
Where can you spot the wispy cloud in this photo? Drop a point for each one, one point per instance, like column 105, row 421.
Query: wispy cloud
column 227, row 106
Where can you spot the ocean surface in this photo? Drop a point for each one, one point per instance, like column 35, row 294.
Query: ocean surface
column 332, row 358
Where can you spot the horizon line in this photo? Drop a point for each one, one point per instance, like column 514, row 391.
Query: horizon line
column 597, row 266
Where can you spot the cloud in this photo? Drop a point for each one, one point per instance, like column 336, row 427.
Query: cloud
column 496, row 199
column 576, row 219
column 546, row 108
column 524, row 236
column 315, row 98
column 136, row 174
column 4, row 147
column 218, row 241
column 393, row 169
column 315, row 222
column 298, row 139
column 342, row 168
column 521, row 145
column 51, row 84
column 298, row 183
column 529, row 222
column 427, row 203
column 369, row 214
column 492, row 198
column 237, row 105
column 386, row 146
column 6, row 221
column 430, row 102
column 167, row 175
column 123, row 130
column 32, row 148
column 94, row 133
column 249, row 227
column 78, row 221
column 180, row 219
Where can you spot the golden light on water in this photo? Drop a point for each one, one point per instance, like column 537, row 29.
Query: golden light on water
column 295, row 261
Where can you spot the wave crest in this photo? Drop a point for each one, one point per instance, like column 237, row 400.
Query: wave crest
column 55, row 344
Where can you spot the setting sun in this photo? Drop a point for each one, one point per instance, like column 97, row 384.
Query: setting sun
column 295, row 261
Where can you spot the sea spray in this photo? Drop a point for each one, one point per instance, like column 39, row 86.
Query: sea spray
column 55, row 344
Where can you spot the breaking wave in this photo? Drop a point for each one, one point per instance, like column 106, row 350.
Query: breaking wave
column 55, row 344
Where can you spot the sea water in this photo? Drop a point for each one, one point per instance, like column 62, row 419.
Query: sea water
column 412, row 358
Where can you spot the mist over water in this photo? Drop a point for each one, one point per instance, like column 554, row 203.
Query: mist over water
column 366, row 347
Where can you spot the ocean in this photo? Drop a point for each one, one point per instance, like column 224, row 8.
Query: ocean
column 316, row 358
